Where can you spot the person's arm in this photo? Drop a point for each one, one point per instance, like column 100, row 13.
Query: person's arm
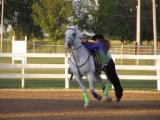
column 93, row 46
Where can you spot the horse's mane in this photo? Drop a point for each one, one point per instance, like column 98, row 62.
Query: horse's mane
column 108, row 44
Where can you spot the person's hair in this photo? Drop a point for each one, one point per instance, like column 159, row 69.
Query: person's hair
column 98, row 36
column 108, row 45
column 102, row 39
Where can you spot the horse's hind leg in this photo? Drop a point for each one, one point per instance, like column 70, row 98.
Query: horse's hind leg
column 105, row 87
column 85, row 93
column 101, row 82
column 91, row 79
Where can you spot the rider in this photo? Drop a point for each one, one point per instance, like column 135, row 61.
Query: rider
column 102, row 47
column 99, row 45
column 109, row 68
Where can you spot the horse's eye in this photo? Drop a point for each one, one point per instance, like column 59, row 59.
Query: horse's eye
column 74, row 34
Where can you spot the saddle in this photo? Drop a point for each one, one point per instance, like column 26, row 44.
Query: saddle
column 97, row 61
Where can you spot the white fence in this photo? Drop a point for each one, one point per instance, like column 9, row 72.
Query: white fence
column 155, row 67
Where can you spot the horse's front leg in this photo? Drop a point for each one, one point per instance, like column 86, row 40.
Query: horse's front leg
column 91, row 78
column 78, row 78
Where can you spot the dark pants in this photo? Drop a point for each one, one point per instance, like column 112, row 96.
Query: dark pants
column 111, row 73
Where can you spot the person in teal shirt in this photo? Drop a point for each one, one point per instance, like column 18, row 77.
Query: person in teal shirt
column 103, row 47
column 99, row 45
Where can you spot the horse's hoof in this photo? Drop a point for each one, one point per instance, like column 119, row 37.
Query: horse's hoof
column 97, row 96
column 119, row 96
column 107, row 98
column 86, row 105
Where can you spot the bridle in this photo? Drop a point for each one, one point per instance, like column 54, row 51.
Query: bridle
column 72, row 40
column 75, row 49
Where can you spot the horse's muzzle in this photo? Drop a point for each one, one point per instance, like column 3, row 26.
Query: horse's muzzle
column 69, row 45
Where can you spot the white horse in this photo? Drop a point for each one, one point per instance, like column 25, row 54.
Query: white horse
column 81, row 63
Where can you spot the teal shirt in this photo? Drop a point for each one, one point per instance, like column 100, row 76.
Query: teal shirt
column 104, row 57
column 108, row 57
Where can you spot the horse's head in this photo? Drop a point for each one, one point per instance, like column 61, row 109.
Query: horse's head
column 71, row 35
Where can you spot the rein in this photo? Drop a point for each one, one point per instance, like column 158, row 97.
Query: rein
column 77, row 48
column 78, row 66
column 76, row 61
column 74, row 49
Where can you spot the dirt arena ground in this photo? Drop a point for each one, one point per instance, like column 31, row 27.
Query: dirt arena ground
column 68, row 105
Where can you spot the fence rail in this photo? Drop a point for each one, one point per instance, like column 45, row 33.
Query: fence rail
column 23, row 75
column 49, row 47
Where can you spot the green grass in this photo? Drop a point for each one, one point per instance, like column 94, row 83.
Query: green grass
column 45, row 60
column 134, row 62
column 61, row 61
column 60, row 83
column 36, row 60
column 61, row 71
column 139, row 84
column 10, row 83
column 5, row 60
column 33, row 71
column 135, row 72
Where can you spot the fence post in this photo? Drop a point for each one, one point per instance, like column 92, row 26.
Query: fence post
column 122, row 45
column 12, row 48
column 22, row 80
column 66, row 72
column 138, row 53
column 24, row 61
column 158, row 73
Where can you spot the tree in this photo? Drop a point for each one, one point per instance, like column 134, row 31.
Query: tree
column 18, row 14
column 52, row 16
column 83, row 13
column 116, row 18
column 146, row 20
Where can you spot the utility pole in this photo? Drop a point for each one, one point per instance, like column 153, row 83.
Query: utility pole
column 138, row 35
column 154, row 26
column 2, row 8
